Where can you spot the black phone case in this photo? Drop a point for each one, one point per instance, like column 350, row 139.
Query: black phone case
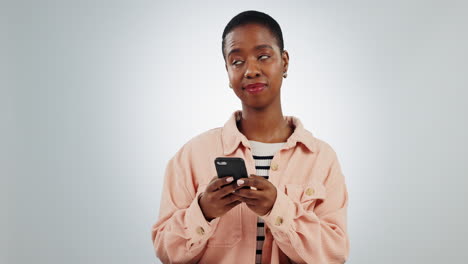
column 231, row 166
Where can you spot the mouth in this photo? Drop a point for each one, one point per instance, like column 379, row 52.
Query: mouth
column 255, row 88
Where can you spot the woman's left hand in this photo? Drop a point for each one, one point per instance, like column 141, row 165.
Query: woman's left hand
column 262, row 199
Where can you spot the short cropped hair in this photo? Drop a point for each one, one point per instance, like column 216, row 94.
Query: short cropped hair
column 254, row 17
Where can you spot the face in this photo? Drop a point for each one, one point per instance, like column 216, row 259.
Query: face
column 255, row 65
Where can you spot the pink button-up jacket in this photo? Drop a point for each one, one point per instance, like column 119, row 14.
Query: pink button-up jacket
column 307, row 223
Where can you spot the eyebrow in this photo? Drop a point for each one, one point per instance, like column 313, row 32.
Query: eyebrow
column 264, row 46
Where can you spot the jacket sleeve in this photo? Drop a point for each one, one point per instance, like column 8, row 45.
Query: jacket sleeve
column 181, row 233
column 313, row 232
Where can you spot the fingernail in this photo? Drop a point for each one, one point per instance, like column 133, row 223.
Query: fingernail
column 240, row 182
column 229, row 179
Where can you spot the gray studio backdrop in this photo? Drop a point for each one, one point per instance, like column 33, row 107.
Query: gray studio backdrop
column 96, row 97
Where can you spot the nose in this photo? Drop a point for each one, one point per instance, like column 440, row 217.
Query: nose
column 252, row 70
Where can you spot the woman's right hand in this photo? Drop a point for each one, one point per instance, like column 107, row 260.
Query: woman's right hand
column 217, row 199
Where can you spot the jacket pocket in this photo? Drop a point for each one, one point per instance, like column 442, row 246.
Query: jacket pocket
column 308, row 195
column 229, row 229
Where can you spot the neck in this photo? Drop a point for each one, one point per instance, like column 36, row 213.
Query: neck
column 264, row 125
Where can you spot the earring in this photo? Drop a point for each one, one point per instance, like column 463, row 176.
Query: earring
column 230, row 85
column 285, row 75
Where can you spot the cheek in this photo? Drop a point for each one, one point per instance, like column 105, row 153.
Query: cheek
column 274, row 72
column 235, row 76
column 272, row 68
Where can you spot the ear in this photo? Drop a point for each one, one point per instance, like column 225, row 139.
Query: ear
column 285, row 58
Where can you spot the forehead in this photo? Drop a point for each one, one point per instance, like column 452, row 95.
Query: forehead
column 248, row 36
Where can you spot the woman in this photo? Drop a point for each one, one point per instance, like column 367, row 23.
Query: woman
column 297, row 211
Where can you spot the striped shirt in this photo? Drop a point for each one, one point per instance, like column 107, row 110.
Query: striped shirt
column 263, row 153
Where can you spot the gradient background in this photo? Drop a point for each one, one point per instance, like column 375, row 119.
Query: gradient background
column 96, row 97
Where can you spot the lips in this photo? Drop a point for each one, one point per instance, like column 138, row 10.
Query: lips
column 255, row 87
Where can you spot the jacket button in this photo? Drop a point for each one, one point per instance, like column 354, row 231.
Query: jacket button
column 310, row 191
column 279, row 220
column 274, row 166
column 200, row 231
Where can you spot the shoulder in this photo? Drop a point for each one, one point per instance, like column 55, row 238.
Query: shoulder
column 202, row 142
column 326, row 159
column 324, row 147
column 206, row 138
column 321, row 147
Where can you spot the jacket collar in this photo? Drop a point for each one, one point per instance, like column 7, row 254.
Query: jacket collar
column 232, row 137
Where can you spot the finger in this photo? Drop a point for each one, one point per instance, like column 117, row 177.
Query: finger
column 218, row 183
column 230, row 199
column 257, row 182
column 260, row 178
column 233, row 204
column 213, row 179
column 229, row 189
column 207, row 188
column 250, row 202
column 248, row 193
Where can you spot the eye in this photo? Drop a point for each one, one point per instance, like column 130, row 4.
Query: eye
column 264, row 56
column 236, row 62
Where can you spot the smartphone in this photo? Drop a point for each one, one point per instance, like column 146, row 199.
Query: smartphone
column 231, row 166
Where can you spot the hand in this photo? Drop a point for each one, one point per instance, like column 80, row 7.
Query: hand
column 218, row 197
column 262, row 199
